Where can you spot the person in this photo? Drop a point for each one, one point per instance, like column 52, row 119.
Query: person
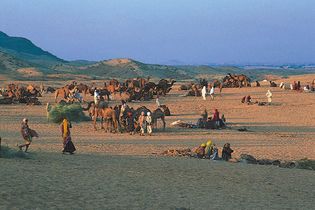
column 208, row 149
column 96, row 97
column 215, row 153
column 204, row 92
column 157, row 102
column 307, row 88
column 130, row 123
column 201, row 123
column 227, row 152
column 223, row 121
column 122, row 109
column 142, row 124
column 212, row 92
column 248, row 99
column 200, row 151
column 68, row 145
column 149, row 123
column 243, row 100
column 298, row 85
column 269, row 96
column 27, row 134
column 77, row 95
column 216, row 117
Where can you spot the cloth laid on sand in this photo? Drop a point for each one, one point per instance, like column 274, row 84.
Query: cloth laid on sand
column 182, row 124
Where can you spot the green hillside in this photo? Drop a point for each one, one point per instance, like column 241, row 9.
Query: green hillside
column 24, row 49
column 21, row 59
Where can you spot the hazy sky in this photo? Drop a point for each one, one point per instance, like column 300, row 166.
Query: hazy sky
column 163, row 31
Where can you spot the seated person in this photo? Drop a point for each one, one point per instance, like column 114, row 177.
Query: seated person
column 243, row 99
column 248, row 99
column 307, row 88
column 215, row 153
column 227, row 152
column 208, row 149
column 200, row 151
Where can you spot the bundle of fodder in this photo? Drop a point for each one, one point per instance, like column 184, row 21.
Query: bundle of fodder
column 177, row 152
column 72, row 112
column 7, row 152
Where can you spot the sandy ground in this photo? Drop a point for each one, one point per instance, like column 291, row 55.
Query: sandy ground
column 53, row 181
column 97, row 176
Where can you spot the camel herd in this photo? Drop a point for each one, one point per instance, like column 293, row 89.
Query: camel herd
column 14, row 93
column 229, row 81
column 115, row 118
column 132, row 89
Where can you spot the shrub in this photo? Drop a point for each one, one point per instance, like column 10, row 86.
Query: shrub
column 73, row 112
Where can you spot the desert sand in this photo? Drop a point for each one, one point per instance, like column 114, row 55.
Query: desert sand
column 119, row 171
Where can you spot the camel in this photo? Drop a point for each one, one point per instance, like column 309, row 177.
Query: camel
column 195, row 90
column 158, row 114
column 107, row 114
column 217, row 83
column 82, row 88
column 114, row 82
column 241, row 79
column 63, row 92
column 272, row 84
column 91, row 106
column 164, row 86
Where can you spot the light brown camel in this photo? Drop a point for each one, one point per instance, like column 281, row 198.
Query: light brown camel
column 241, row 79
column 195, row 90
column 63, row 92
column 218, row 84
column 108, row 115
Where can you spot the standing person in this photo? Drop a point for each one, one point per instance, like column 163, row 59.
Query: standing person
column 96, row 97
column 68, row 145
column 157, row 101
column 130, row 123
column 142, row 123
column 216, row 118
column 27, row 134
column 269, row 96
column 149, row 123
column 298, row 85
column 212, row 92
column 204, row 92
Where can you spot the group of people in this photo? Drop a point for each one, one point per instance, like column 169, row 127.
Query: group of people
column 145, row 122
column 28, row 134
column 211, row 122
column 204, row 92
column 209, row 150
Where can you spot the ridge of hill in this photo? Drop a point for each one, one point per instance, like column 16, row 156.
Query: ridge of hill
column 23, row 60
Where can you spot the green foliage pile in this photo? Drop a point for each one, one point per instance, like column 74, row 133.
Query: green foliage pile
column 72, row 112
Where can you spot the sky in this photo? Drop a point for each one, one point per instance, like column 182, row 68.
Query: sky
column 168, row 31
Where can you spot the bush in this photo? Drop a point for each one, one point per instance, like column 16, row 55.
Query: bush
column 306, row 164
column 73, row 112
